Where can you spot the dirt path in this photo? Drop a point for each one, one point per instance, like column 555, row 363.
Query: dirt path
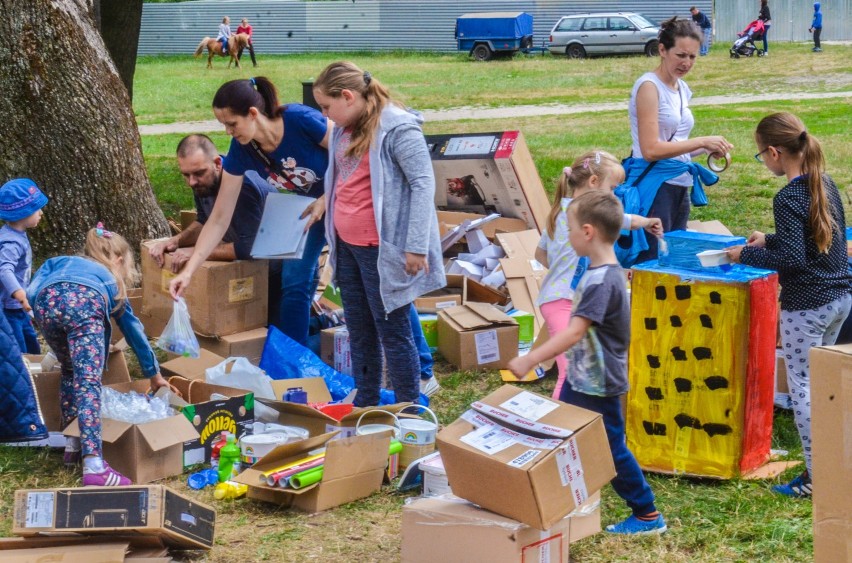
column 457, row 114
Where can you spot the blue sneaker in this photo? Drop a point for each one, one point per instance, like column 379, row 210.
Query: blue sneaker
column 800, row 487
column 635, row 526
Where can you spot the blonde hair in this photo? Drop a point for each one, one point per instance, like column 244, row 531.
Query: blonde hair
column 593, row 163
column 602, row 210
column 787, row 132
column 344, row 75
column 104, row 249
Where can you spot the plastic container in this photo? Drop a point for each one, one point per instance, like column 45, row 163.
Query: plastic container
column 217, row 447
column 710, row 258
column 229, row 459
column 229, row 490
column 296, row 395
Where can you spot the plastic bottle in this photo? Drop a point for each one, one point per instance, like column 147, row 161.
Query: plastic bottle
column 229, row 459
column 217, row 448
column 229, row 490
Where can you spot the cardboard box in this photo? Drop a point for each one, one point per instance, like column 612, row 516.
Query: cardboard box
column 504, row 469
column 143, row 452
column 187, row 217
column 439, row 529
column 523, row 272
column 317, row 422
column 353, row 469
column 831, row 408
column 449, row 220
column 450, row 295
column 488, row 173
column 223, row 298
column 210, row 416
column 191, row 368
column 85, row 549
column 248, row 344
column 477, row 336
column 335, row 350
column 781, row 385
column 153, row 510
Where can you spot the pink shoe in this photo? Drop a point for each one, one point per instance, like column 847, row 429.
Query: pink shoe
column 109, row 477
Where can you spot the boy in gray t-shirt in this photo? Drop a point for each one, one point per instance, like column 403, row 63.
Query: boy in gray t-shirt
column 597, row 338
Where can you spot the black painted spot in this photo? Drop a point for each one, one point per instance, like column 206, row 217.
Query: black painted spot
column 683, row 292
column 676, row 322
column 679, row 354
column 702, row 353
column 682, row 385
column 706, row 322
column 653, row 361
column 660, row 292
column 715, row 297
column 654, row 428
column 654, row 393
column 683, row 420
column 727, row 413
column 714, row 429
column 650, row 323
column 716, row 382
column 289, row 34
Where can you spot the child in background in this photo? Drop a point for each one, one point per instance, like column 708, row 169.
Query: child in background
column 816, row 27
column 598, row 336
column 20, row 207
column 595, row 170
column 809, row 253
column 73, row 299
column 224, row 34
column 381, row 225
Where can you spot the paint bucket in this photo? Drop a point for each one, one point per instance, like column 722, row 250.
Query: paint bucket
column 255, row 446
column 417, row 431
column 364, row 429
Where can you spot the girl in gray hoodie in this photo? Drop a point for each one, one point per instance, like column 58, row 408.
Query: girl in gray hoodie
column 381, row 225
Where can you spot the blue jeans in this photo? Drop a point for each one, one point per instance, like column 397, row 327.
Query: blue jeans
column 765, row 35
column 372, row 330
column 298, row 285
column 706, row 40
column 629, row 482
column 22, row 328
column 426, row 361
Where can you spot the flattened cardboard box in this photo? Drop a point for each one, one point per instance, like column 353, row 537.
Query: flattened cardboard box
column 153, row 510
column 488, row 173
column 247, row 344
column 448, row 220
column 523, row 272
column 354, row 468
column 191, row 368
column 223, row 298
column 143, row 452
column 831, row 428
column 210, row 416
column 85, row 549
column 511, row 470
column 477, row 336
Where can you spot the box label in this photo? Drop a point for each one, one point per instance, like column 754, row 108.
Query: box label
column 488, row 439
column 40, row 507
column 529, row 406
column 445, row 304
column 571, row 471
column 463, row 146
column 166, row 277
column 241, row 289
column 524, row 458
column 487, row 347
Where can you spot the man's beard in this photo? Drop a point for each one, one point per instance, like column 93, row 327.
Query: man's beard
column 209, row 191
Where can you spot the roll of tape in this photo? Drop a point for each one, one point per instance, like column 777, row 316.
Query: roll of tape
column 719, row 164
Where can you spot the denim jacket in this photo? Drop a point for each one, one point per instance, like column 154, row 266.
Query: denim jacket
column 77, row 269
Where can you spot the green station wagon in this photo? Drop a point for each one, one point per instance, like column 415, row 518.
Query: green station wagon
column 614, row 33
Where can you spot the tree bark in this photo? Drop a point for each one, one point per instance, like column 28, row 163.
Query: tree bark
column 67, row 123
column 119, row 22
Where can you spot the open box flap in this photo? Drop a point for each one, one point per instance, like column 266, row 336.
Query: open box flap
column 160, row 434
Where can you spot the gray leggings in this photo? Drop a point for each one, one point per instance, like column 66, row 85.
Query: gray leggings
column 801, row 331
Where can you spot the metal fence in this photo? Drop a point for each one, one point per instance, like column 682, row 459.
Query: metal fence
column 294, row 26
column 790, row 19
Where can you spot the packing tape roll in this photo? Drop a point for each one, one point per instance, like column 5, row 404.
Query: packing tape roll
column 713, row 163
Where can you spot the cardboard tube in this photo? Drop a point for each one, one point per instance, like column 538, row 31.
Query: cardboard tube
column 306, row 478
column 281, row 477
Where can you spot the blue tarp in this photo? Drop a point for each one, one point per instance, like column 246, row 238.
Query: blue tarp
column 494, row 25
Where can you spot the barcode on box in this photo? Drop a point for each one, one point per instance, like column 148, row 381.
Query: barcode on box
column 487, row 347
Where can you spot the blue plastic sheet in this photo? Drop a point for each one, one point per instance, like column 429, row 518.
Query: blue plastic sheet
column 284, row 358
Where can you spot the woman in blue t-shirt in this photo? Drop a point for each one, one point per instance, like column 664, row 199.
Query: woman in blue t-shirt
column 288, row 147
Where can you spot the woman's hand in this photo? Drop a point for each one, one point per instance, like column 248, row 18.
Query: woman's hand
column 734, row 252
column 314, row 212
column 179, row 284
column 158, row 381
column 414, row 263
column 757, row 239
column 716, row 145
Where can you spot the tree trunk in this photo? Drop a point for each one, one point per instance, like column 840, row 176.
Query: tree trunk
column 67, row 123
column 119, row 22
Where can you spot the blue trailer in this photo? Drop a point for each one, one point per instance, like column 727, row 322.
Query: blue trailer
column 487, row 34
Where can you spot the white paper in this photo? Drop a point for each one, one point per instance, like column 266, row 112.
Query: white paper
column 488, row 439
column 281, row 233
column 487, row 347
column 466, row 269
column 40, row 508
column 495, row 279
column 476, row 240
column 529, row 406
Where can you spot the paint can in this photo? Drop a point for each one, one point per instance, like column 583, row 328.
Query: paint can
column 417, row 431
column 372, row 428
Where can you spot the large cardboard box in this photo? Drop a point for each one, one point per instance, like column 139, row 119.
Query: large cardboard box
column 223, row 298
column 831, row 431
column 84, row 549
column 354, row 468
column 494, row 457
column 191, row 368
column 143, row 452
column 450, row 295
column 210, row 417
column 477, row 336
column 488, row 173
column 248, row 344
column 153, row 510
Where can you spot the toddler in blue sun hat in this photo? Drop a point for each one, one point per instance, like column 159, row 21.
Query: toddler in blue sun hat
column 20, row 209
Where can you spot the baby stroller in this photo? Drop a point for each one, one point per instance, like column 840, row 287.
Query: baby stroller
column 744, row 46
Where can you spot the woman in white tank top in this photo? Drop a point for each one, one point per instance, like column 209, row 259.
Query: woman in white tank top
column 660, row 123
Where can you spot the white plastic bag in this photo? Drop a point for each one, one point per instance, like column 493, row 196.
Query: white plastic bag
column 178, row 336
column 245, row 375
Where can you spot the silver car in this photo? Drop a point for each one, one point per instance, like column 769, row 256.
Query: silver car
column 610, row 33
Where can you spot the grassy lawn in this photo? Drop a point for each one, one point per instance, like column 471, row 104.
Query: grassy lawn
column 709, row 520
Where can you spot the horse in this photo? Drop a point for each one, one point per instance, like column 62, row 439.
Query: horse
column 236, row 43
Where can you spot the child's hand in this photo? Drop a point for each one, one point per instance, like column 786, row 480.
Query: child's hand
column 158, row 381
column 654, row 225
column 757, row 239
column 414, row 263
column 21, row 297
column 734, row 252
column 158, row 249
column 519, row 366
column 314, row 212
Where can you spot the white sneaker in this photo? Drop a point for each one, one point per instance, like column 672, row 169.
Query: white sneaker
column 429, row 386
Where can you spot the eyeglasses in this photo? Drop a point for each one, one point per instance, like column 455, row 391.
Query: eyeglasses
column 759, row 156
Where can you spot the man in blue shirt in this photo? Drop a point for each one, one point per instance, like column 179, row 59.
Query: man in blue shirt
column 816, row 27
column 702, row 21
